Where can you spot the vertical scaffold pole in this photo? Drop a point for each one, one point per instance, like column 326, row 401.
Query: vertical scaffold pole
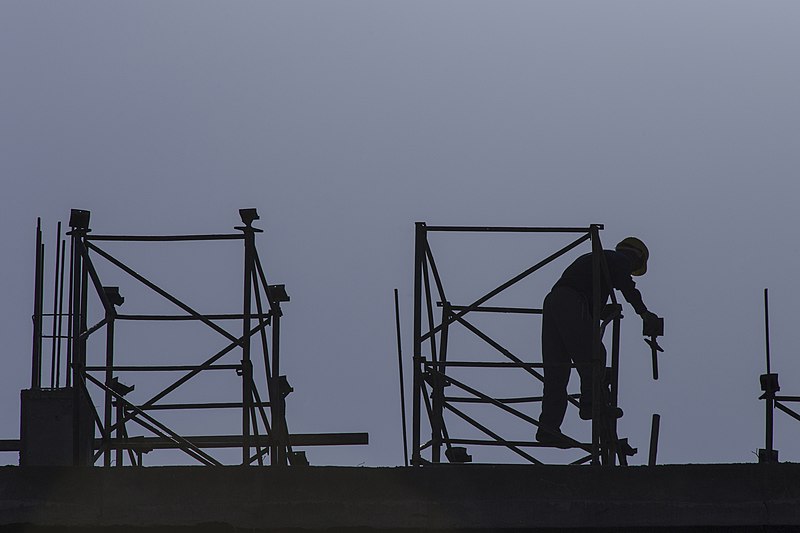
column 79, row 222
column 769, row 394
column 419, row 254
column 247, row 365
column 598, row 365
column 109, row 383
column 38, row 295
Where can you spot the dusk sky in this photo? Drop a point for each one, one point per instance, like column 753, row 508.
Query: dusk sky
column 344, row 122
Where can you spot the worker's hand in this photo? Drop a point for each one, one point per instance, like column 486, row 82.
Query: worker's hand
column 652, row 325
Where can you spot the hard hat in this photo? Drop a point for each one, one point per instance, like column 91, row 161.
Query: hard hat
column 632, row 243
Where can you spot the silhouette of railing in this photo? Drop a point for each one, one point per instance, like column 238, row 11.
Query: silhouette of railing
column 435, row 316
column 263, row 416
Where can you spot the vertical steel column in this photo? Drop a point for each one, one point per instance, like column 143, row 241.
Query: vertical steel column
column 614, row 379
column 277, row 405
column 107, row 409
column 247, row 365
column 420, row 243
column 38, row 296
column 769, row 390
column 598, row 366
column 60, row 314
column 70, row 312
column 78, row 343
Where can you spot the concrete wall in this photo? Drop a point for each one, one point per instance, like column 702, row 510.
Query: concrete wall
column 445, row 497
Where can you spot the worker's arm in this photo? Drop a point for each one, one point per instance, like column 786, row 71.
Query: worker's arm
column 620, row 270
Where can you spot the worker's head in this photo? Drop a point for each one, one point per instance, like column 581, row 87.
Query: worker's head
column 637, row 251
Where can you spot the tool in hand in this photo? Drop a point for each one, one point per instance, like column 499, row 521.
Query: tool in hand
column 653, row 327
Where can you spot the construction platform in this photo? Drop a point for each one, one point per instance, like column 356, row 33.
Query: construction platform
column 725, row 497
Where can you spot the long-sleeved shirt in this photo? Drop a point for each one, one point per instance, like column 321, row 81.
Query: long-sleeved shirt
column 578, row 276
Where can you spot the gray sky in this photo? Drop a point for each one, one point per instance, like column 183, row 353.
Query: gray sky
column 344, row 122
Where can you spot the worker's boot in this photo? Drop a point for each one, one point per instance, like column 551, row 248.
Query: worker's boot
column 552, row 437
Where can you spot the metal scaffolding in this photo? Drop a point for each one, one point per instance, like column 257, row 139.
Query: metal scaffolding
column 264, row 430
column 436, row 316
column 772, row 400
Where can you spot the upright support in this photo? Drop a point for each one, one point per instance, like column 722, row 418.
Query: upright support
column 769, row 385
column 36, row 359
column 400, row 369
column 247, row 365
column 420, row 242
column 79, row 224
column 107, row 410
column 598, row 363
column 278, row 402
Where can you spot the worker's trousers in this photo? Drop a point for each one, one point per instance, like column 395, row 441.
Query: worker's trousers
column 566, row 338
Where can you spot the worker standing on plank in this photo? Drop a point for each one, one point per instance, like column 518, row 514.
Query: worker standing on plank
column 567, row 325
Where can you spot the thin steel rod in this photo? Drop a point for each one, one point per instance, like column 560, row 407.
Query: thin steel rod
column 98, row 285
column 598, row 366
column 60, row 313
column 498, row 440
column 223, row 441
column 438, row 388
column 191, row 406
column 654, row 428
column 94, row 328
column 521, row 399
column 38, row 295
column 165, row 238
column 400, row 372
column 417, row 384
column 109, row 380
column 260, row 405
column 769, row 395
column 519, row 277
column 247, row 365
column 273, row 305
column 507, row 229
column 163, row 368
column 787, row 410
column 429, row 308
column 504, row 443
column 265, row 355
column 55, row 310
column 494, row 309
column 489, row 364
column 228, row 316
column 787, row 398
column 161, row 292
column 766, row 328
column 70, row 312
column 435, row 271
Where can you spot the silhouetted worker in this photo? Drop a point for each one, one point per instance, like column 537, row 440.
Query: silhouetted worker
column 567, row 329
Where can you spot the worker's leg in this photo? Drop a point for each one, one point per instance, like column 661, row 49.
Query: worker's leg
column 556, row 361
column 576, row 333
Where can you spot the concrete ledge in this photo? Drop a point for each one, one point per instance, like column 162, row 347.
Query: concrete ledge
column 447, row 498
